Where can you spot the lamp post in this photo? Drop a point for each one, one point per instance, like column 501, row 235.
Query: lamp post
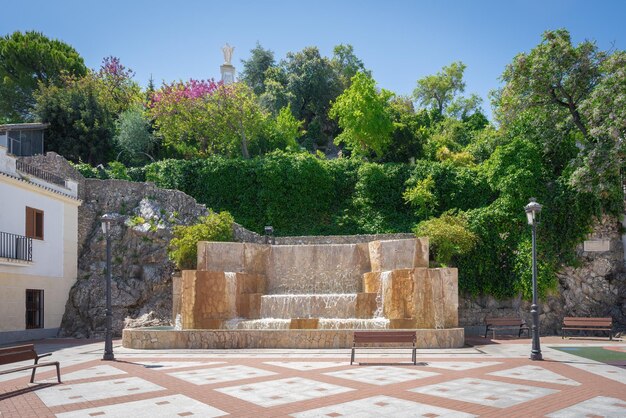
column 532, row 210
column 107, row 219
column 269, row 235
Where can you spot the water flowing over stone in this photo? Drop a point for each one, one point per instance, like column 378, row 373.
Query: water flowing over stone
column 340, row 305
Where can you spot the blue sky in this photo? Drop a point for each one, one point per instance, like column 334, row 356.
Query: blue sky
column 399, row 41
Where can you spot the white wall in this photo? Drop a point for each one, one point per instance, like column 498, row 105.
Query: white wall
column 47, row 253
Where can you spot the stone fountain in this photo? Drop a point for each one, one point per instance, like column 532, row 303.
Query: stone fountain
column 246, row 295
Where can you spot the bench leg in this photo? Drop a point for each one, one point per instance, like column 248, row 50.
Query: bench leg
column 414, row 356
column 486, row 330
column 58, row 373
column 32, row 375
column 352, row 356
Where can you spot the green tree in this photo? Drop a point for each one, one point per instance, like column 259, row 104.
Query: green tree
column 571, row 91
column 237, row 117
column 421, row 197
column 200, row 118
column 363, row 114
column 287, row 129
column 346, row 64
column 118, row 85
column 27, row 59
column 410, row 133
column 308, row 82
column 134, row 138
column 255, row 68
column 437, row 91
column 82, row 120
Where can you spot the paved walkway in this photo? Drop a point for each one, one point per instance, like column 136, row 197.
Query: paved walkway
column 490, row 379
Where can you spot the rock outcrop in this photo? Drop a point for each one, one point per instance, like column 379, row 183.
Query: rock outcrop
column 141, row 272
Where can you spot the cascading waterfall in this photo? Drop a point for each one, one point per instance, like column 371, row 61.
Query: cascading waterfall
column 309, row 306
column 231, row 292
column 380, row 295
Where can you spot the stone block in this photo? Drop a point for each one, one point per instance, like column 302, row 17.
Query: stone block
column 208, row 295
column 221, row 256
column 404, row 323
column 250, row 283
column 365, row 305
column 371, row 282
column 177, row 285
column 398, row 254
column 597, row 245
column 304, row 323
column 315, row 269
column 398, row 294
column 255, row 258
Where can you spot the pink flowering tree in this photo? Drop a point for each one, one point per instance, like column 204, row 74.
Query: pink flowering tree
column 201, row 117
column 118, row 85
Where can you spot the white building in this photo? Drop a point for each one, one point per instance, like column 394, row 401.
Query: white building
column 38, row 249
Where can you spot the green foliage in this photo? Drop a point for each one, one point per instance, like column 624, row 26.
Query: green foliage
column 255, row 68
column 27, row 59
column 346, row 64
column 134, row 138
column 437, row 91
column 281, row 133
column 183, row 250
column 200, row 118
column 308, row 82
column 82, row 120
column 117, row 170
column 363, row 114
column 574, row 89
column 421, row 197
column 448, row 236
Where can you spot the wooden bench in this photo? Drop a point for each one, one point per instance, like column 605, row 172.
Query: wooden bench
column 25, row 352
column 587, row 324
column 505, row 323
column 373, row 337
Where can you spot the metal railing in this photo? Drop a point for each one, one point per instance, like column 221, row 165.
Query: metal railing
column 16, row 247
column 39, row 173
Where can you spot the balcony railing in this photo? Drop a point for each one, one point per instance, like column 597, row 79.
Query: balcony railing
column 39, row 173
column 16, row 247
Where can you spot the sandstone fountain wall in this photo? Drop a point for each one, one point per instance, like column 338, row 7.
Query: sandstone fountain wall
column 246, row 295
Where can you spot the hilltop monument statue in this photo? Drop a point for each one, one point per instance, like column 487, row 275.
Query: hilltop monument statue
column 228, row 53
column 227, row 69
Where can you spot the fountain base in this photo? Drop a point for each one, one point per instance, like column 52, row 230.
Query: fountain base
column 146, row 338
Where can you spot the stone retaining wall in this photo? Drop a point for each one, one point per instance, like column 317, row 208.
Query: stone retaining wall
column 146, row 338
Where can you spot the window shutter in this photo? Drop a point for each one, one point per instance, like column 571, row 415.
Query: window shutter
column 30, row 222
column 39, row 224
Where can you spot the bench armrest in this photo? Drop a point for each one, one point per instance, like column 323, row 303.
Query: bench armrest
column 41, row 356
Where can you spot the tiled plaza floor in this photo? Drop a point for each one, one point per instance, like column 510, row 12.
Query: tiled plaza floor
column 490, row 379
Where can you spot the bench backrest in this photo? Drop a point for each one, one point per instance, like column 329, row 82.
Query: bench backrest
column 384, row 336
column 572, row 321
column 18, row 353
column 504, row 321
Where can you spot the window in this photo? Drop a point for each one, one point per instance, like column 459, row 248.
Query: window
column 34, row 308
column 34, row 223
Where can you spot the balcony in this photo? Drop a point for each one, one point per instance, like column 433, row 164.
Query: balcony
column 39, row 173
column 15, row 249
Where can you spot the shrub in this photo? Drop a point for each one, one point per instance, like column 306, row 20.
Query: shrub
column 183, row 248
column 449, row 236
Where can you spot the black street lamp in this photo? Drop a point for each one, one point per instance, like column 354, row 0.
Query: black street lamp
column 107, row 219
column 532, row 210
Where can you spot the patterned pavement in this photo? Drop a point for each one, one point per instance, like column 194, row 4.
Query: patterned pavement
column 490, row 379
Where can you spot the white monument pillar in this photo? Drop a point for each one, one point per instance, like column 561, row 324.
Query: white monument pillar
column 227, row 69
